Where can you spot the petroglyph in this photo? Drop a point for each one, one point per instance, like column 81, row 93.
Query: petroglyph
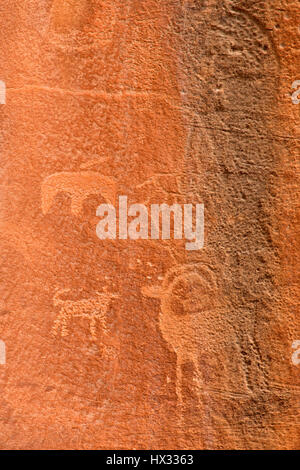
column 193, row 326
column 79, row 185
column 94, row 309
column 199, row 146
column 296, row 353
column 235, row 48
column 15, row 238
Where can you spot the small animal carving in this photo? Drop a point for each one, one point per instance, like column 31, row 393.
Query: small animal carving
column 94, row 309
column 186, row 293
column 79, row 185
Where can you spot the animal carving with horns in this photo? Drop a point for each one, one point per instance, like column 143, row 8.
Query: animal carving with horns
column 193, row 325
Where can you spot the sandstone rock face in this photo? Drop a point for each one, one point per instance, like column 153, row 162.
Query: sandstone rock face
column 142, row 344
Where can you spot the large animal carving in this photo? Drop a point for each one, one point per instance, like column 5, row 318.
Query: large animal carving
column 2, row 353
column 2, row 92
column 93, row 309
column 79, row 185
column 191, row 323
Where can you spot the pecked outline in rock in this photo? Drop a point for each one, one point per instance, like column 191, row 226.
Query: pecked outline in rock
column 94, row 309
column 2, row 352
column 79, row 185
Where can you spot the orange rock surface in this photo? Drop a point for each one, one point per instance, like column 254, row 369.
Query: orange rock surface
column 141, row 344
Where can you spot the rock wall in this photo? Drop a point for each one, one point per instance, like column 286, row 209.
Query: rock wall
column 142, row 344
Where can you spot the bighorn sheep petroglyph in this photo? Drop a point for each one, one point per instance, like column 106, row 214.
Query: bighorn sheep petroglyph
column 79, row 185
column 193, row 325
column 94, row 309
column 2, row 92
column 70, row 14
column 186, row 293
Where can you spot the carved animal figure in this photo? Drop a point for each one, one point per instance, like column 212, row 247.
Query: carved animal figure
column 79, row 185
column 94, row 309
column 193, row 326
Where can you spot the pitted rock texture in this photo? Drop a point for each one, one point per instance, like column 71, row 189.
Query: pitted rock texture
column 140, row 344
